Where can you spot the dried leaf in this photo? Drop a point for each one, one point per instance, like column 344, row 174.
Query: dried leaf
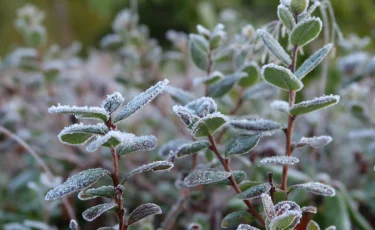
column 143, row 211
column 96, row 211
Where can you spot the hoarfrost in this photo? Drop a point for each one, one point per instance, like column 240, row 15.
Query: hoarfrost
column 246, row 227
column 139, row 143
column 316, row 188
column 205, row 176
column 268, row 206
column 81, row 112
column 284, row 160
column 86, row 130
column 258, row 125
column 254, row 192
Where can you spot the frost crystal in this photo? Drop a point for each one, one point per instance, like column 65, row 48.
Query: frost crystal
column 315, row 142
column 140, row 100
column 281, row 106
column 316, row 188
column 112, row 102
column 141, row 143
column 77, row 182
column 268, row 206
column 284, row 160
column 246, row 227
column 78, row 134
column 155, row 166
column 81, row 112
column 258, row 125
column 94, row 212
column 170, row 147
column 143, row 211
column 288, row 80
column 205, row 176
column 112, row 138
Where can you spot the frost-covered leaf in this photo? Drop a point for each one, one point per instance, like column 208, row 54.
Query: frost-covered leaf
column 170, row 147
column 254, row 192
column 192, row 147
column 312, row 225
column 199, row 49
column 15, row 226
column 78, row 134
column 212, row 78
column 331, row 228
column 143, row 211
column 138, row 143
column 308, row 13
column 258, row 125
column 246, row 227
column 81, row 112
column 205, row 176
column 316, row 188
column 274, row 46
column 284, row 160
column 91, row 193
column 209, row 124
column 281, row 106
column 222, row 87
column 286, row 17
column 309, row 209
column 140, row 100
column 73, row 225
column 234, row 216
column 186, row 115
column 313, row 105
column 202, row 106
column 315, row 142
column 313, row 61
column 154, row 166
column 268, row 206
column 281, row 77
column 77, row 182
column 252, row 71
column 238, row 176
column 287, row 219
column 179, row 95
column 306, row 31
column 242, row 144
column 96, row 211
column 112, row 102
column 111, row 139
column 261, row 90
column 34, row 224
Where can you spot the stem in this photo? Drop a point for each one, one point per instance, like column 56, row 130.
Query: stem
column 273, row 189
column 233, row 182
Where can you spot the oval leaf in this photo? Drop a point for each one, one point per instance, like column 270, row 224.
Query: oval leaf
column 81, row 112
column 112, row 102
column 285, row 220
column 202, row 106
column 143, row 211
column 222, row 87
column 254, row 192
column 312, row 226
column 78, row 134
column 283, row 160
column 141, row 143
column 234, row 216
column 246, row 227
column 274, row 46
column 179, row 95
column 268, row 206
column 77, row 182
column 316, row 188
column 258, row 125
column 94, row 212
column 111, row 139
column 314, row 142
column 306, row 31
column 242, row 144
column 155, row 166
column 209, row 125
column 251, row 70
column 140, row 100
column 281, row 77
column 192, row 147
column 199, row 49
column 286, row 17
column 313, row 105
column 205, row 176
column 91, row 193
column 238, row 176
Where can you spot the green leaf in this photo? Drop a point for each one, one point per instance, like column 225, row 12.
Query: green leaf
column 96, row 211
column 111, row 139
column 141, row 143
column 245, row 185
column 234, row 216
column 316, row 188
column 298, row 6
column 205, row 176
column 306, row 31
column 192, row 147
column 251, row 77
column 286, row 17
column 281, row 77
column 285, row 220
column 140, row 100
column 143, row 211
column 179, row 95
column 274, row 46
column 336, row 212
column 91, row 193
column 313, row 61
column 222, row 87
column 313, row 105
column 283, row 160
column 242, row 144
column 208, row 125
column 199, row 49
column 202, row 106
column 78, row 134
column 154, row 166
column 77, row 182
column 257, row 125
column 81, row 112
column 279, row 196
column 254, row 192
column 238, row 175
column 312, row 226
column 212, row 78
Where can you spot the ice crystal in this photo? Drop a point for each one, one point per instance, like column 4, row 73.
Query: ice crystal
column 205, row 176
column 81, row 112
column 91, row 193
column 94, row 212
column 259, row 125
column 112, row 102
column 288, row 80
column 319, row 102
column 284, row 160
column 192, row 147
column 285, row 220
column 209, row 124
column 316, row 188
column 143, row 211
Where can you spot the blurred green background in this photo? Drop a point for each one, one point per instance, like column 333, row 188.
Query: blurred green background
column 88, row 20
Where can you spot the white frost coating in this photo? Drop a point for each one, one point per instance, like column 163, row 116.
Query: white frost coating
column 94, row 212
column 268, row 206
column 284, row 206
column 294, row 216
column 246, row 227
column 155, row 166
column 363, row 133
column 315, row 142
column 81, row 112
column 316, row 188
column 210, row 106
column 186, row 115
column 140, row 100
column 258, row 125
column 112, row 102
column 281, row 106
column 77, row 182
column 201, row 122
column 274, row 46
column 139, row 143
column 119, row 136
column 99, row 128
column 334, row 99
column 284, row 160
column 205, row 176
column 291, row 75
column 143, row 211
column 73, row 225
column 285, row 2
